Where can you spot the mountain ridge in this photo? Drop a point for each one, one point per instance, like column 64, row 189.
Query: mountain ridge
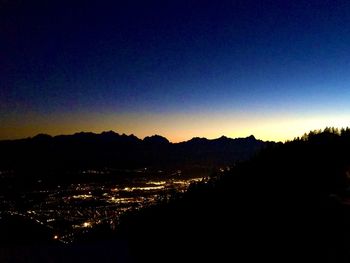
column 112, row 133
column 110, row 149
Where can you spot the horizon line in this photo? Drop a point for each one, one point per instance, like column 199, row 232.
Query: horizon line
column 132, row 134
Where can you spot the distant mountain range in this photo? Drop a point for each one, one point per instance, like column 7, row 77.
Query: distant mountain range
column 109, row 149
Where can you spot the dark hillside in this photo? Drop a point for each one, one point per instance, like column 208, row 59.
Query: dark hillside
column 288, row 204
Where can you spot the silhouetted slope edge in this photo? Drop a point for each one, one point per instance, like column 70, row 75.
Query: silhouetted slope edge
column 287, row 204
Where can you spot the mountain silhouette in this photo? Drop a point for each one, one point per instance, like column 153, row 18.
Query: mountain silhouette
column 110, row 149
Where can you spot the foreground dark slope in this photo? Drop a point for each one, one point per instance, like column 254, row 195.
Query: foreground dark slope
column 288, row 204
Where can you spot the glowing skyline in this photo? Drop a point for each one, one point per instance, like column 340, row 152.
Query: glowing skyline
column 181, row 127
column 180, row 69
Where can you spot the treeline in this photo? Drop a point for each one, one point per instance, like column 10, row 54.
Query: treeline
column 287, row 204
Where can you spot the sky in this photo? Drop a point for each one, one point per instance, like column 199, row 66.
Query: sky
column 181, row 69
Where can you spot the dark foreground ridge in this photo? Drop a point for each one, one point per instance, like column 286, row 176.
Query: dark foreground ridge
column 288, row 204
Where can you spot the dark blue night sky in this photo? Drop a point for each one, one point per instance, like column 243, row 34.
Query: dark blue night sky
column 275, row 69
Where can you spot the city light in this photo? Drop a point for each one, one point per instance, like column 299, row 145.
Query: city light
column 87, row 224
column 83, row 206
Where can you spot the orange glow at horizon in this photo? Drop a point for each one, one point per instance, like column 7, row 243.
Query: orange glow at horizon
column 177, row 127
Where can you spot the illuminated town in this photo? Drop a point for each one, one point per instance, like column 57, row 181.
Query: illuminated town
column 76, row 208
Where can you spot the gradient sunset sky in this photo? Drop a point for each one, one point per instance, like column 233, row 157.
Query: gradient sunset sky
column 274, row 69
